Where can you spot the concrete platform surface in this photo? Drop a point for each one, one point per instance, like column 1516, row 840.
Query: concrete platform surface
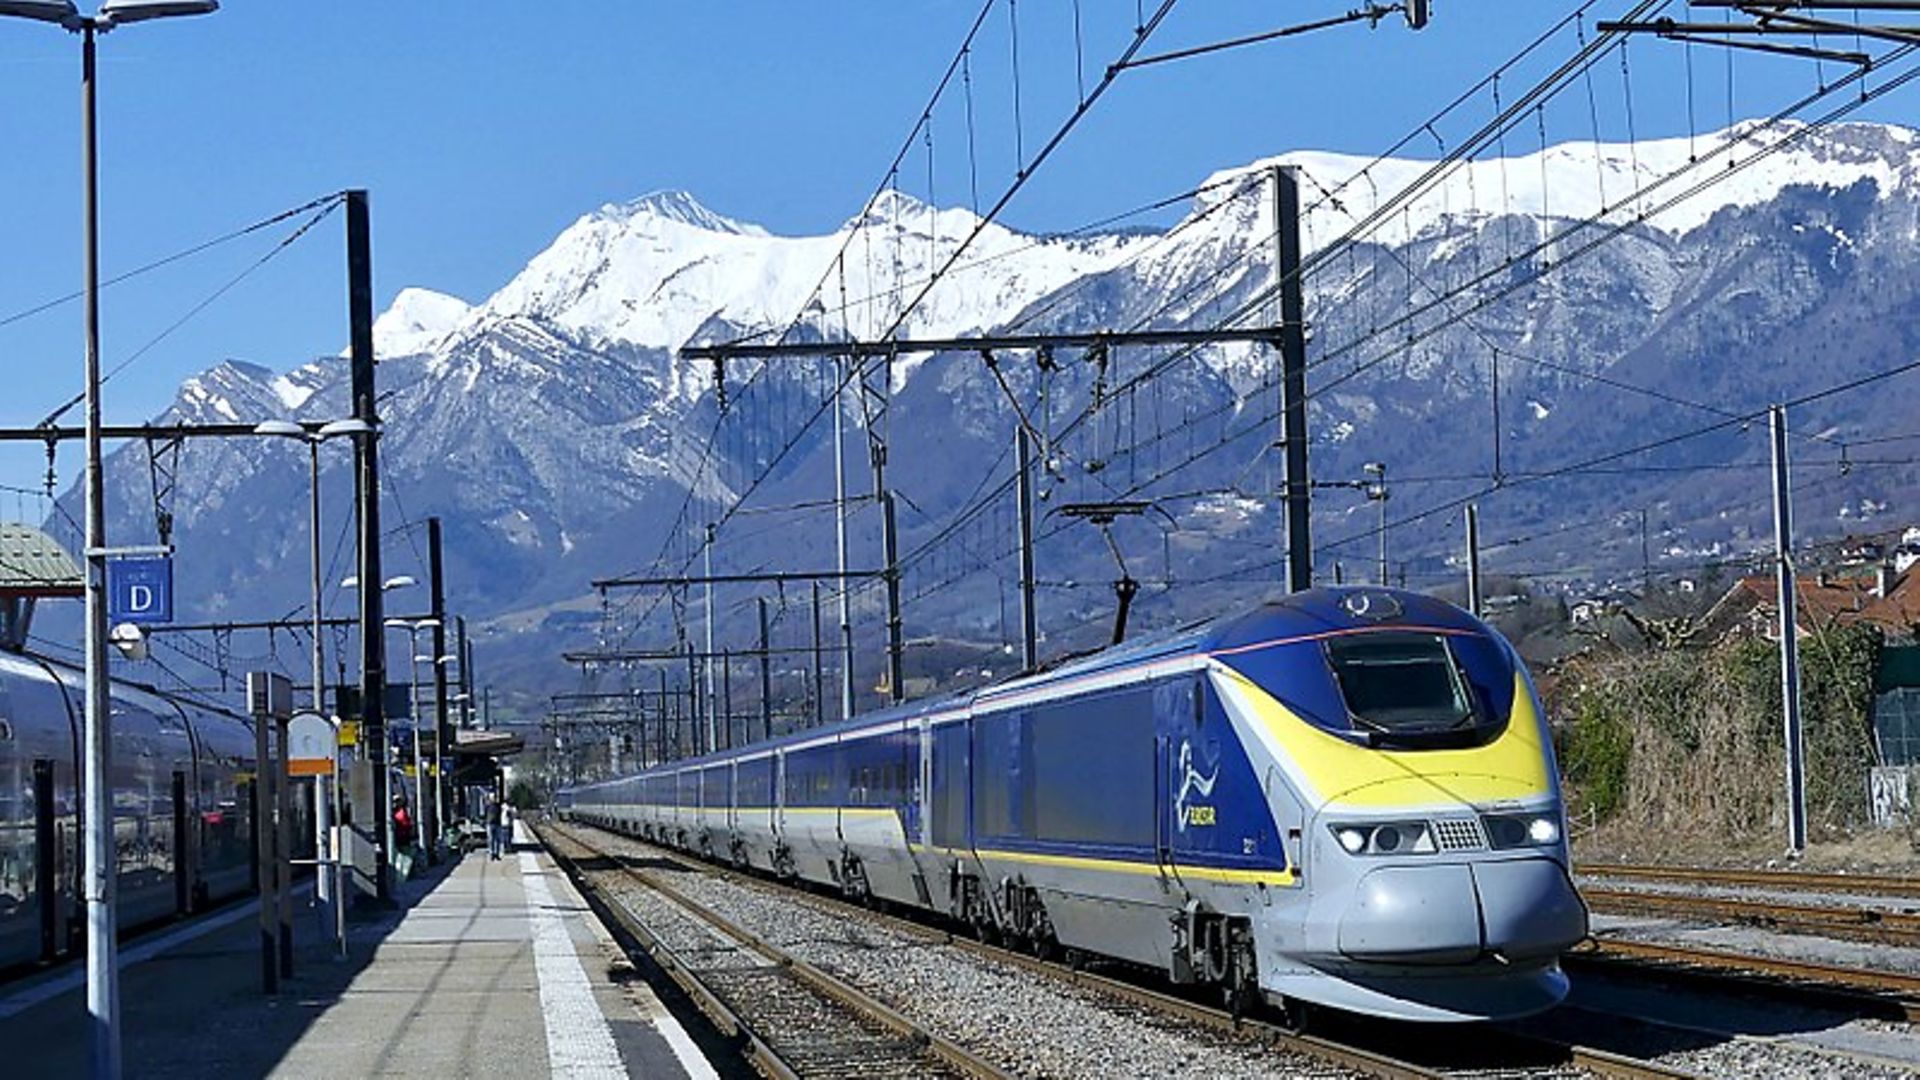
column 488, row 969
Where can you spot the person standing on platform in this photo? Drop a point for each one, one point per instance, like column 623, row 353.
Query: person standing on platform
column 496, row 834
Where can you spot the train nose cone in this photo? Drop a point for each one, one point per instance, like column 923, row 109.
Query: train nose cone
column 1529, row 908
column 1413, row 915
column 1453, row 913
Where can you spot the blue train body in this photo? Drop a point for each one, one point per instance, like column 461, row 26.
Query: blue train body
column 1346, row 797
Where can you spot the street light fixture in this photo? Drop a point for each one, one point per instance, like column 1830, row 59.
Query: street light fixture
column 323, row 798
column 413, row 628
column 98, row 884
column 400, row 581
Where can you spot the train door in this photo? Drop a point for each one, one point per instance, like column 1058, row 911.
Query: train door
column 1182, row 786
column 46, row 860
column 182, row 888
column 952, row 787
column 922, row 799
column 733, row 798
column 779, row 801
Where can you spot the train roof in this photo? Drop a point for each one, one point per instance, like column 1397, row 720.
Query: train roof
column 1315, row 611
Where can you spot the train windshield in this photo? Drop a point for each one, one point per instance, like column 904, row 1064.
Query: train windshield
column 1402, row 684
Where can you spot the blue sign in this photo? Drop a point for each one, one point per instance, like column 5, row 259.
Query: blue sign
column 140, row 589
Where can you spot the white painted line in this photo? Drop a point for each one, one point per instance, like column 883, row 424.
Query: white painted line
column 27, row 997
column 689, row 1055
column 579, row 1042
column 648, row 1004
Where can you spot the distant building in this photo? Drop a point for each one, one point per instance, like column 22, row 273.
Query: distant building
column 1887, row 599
column 1861, row 550
column 1587, row 609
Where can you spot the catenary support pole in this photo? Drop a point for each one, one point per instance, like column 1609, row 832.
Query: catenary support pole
column 1029, row 614
column 708, row 553
column 1789, row 635
column 437, row 593
column 373, row 652
column 819, row 663
column 1298, row 491
column 766, row 675
column 840, row 550
column 896, row 644
column 1473, row 560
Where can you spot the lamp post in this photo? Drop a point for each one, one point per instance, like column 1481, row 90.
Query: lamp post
column 383, row 818
column 1376, row 489
column 413, row 628
column 323, row 798
column 98, row 885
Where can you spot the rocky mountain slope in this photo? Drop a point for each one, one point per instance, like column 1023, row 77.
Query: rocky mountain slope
column 555, row 430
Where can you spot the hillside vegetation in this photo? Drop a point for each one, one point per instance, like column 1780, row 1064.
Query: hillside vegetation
column 1690, row 742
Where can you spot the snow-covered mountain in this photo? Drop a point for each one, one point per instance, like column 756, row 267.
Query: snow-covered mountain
column 555, row 430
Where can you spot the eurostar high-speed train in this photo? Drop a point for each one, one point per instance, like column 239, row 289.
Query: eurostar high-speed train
column 1345, row 798
column 183, row 834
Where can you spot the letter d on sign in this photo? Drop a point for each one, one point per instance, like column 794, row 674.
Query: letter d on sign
column 140, row 598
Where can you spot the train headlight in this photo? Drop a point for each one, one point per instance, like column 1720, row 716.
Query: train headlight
column 1386, row 838
column 1522, row 830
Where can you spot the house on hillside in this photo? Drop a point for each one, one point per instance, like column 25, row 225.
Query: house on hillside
column 1861, row 551
column 1886, row 599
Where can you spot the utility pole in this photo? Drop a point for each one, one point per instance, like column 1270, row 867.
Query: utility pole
column 819, row 666
column 665, row 700
column 1473, row 559
column 693, row 701
column 1297, row 492
column 766, row 675
column 726, row 699
column 840, row 548
column 1376, row 489
column 437, row 591
column 896, row 645
column 465, row 651
column 1789, row 635
column 1029, row 615
column 711, row 530
column 1646, row 558
column 373, row 659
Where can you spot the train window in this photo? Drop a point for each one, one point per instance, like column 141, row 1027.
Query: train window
column 1401, row 682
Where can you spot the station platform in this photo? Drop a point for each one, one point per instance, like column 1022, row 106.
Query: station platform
column 487, row 968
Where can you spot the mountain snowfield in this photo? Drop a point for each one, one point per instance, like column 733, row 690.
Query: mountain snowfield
column 553, row 427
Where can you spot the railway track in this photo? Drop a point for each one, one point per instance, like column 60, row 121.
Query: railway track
column 1785, row 880
column 795, row 1021
column 1851, row 922
column 1883, row 995
column 1496, row 1051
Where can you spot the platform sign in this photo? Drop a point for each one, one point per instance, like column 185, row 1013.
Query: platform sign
column 140, row 589
column 311, row 746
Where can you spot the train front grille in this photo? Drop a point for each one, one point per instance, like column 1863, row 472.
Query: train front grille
column 1459, row 834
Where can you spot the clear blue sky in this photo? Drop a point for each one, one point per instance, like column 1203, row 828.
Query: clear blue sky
column 482, row 128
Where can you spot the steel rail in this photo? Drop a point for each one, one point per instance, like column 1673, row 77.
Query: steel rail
column 1885, row 994
column 1866, row 884
column 1329, row 1051
column 762, row 1046
column 1853, row 923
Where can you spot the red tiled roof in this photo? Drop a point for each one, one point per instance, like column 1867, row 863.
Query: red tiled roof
column 1842, row 600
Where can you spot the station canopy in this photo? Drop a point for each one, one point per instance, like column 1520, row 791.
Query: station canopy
column 33, row 564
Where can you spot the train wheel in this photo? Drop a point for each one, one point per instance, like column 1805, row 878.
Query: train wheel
column 1076, row 959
